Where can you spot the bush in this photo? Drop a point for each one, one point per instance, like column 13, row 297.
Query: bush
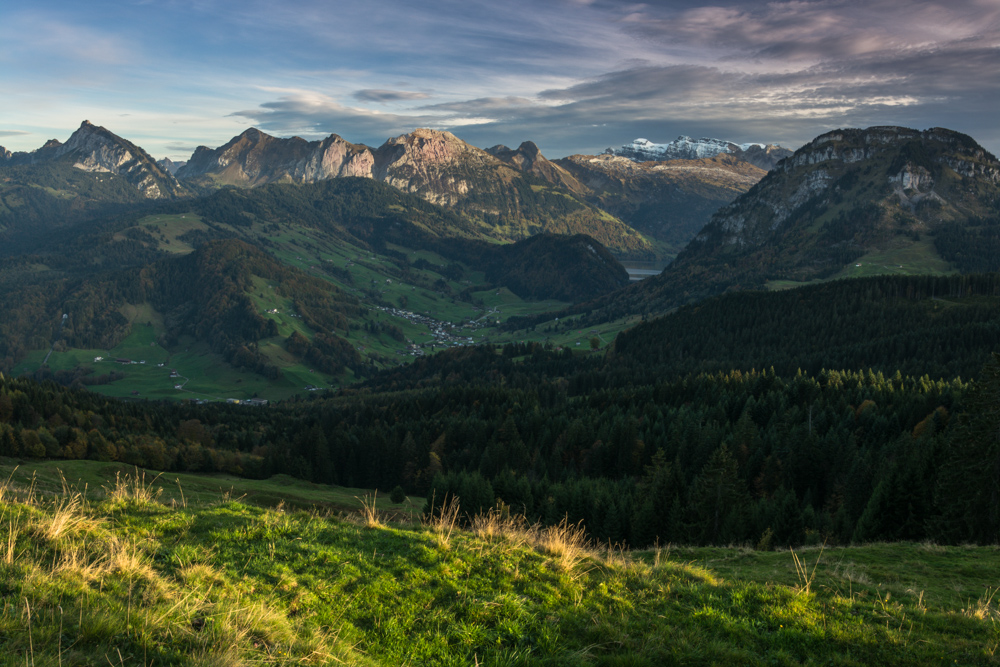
column 397, row 495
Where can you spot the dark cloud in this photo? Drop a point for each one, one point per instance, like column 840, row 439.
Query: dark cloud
column 12, row 133
column 783, row 71
column 175, row 147
column 383, row 96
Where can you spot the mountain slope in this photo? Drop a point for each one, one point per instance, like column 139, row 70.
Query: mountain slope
column 851, row 202
column 255, row 158
column 669, row 201
column 506, row 203
column 763, row 156
column 529, row 159
column 349, row 263
column 547, row 266
column 95, row 149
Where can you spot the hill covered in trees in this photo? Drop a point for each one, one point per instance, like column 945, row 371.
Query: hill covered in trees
column 640, row 443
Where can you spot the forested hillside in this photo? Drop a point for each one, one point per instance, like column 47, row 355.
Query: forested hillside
column 625, row 442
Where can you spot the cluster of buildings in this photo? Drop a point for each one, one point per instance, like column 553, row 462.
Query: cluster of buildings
column 445, row 334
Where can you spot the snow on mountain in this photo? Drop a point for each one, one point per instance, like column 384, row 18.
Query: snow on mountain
column 686, row 148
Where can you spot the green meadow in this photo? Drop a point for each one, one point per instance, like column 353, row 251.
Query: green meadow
column 116, row 568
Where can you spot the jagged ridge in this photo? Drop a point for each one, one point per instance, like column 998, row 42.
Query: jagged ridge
column 765, row 156
column 96, row 149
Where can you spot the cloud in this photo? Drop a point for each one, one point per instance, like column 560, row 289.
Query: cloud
column 34, row 38
column 12, row 133
column 309, row 113
column 176, row 147
column 795, row 31
column 571, row 75
column 383, row 96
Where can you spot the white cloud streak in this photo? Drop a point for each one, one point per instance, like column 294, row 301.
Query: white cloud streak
column 572, row 75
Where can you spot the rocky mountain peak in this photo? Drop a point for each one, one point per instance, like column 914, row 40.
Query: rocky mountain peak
column 529, row 149
column 425, row 146
column 929, row 149
column 765, row 156
column 853, row 191
column 255, row 158
column 95, row 148
column 528, row 158
column 170, row 166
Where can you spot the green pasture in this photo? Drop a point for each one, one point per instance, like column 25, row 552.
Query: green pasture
column 117, row 568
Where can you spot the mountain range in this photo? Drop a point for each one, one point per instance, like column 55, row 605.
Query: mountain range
column 424, row 227
column 765, row 156
column 852, row 202
column 95, row 149
column 639, row 210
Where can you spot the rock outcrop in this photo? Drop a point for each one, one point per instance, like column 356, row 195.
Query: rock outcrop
column 438, row 166
column 255, row 158
column 884, row 167
column 96, row 149
column 507, row 202
column 529, row 159
column 169, row 166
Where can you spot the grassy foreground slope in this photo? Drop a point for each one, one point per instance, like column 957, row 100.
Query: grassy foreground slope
column 119, row 577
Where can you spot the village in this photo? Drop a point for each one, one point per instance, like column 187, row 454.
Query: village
column 444, row 334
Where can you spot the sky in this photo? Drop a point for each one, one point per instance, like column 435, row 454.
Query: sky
column 574, row 76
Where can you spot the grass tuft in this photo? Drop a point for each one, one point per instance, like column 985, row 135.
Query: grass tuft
column 133, row 489
column 443, row 521
column 566, row 541
column 369, row 512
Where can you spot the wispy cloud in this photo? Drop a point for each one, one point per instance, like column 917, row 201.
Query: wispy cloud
column 46, row 39
column 13, row 133
column 382, row 96
column 572, row 75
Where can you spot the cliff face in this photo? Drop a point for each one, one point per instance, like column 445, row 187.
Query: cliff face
column 96, row 149
column 855, row 202
column 529, row 159
column 886, row 170
column 504, row 201
column 438, row 166
column 255, row 158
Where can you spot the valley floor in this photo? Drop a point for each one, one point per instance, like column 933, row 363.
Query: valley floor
column 125, row 575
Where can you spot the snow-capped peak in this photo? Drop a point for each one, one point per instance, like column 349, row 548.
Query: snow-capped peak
column 686, row 148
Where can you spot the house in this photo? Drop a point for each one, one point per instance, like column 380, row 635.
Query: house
column 96, row 359
column 260, row 402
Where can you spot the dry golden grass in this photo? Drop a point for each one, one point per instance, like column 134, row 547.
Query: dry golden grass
column 498, row 523
column 68, row 518
column 369, row 514
column 444, row 520
column 10, row 544
column 984, row 609
column 133, row 488
column 565, row 541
